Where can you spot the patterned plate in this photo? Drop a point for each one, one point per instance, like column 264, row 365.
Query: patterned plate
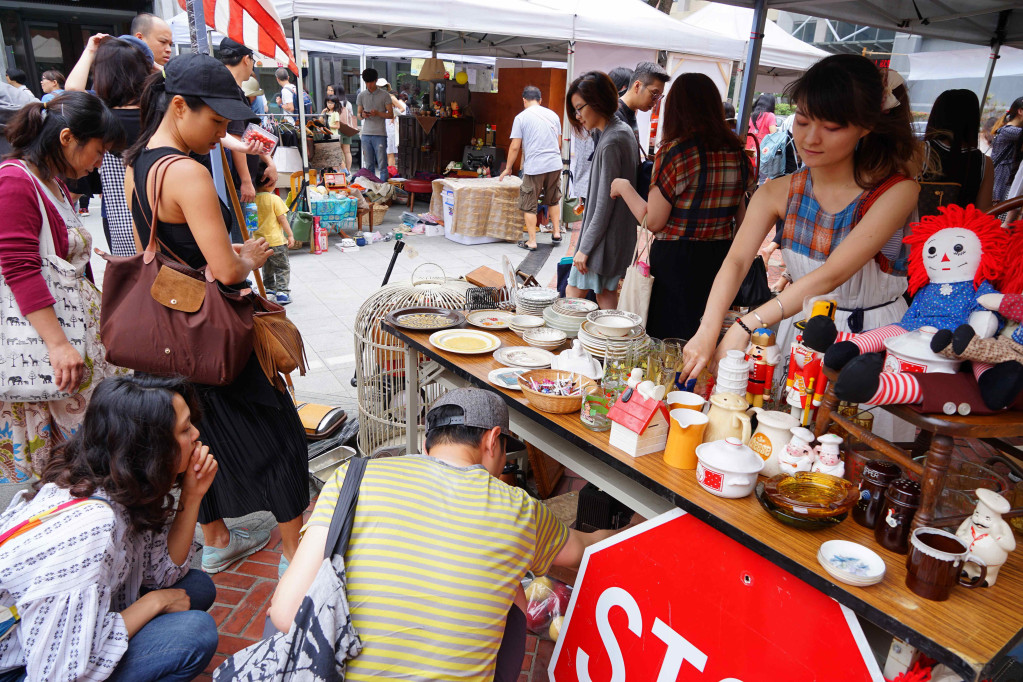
column 524, row 356
column 489, row 319
column 465, row 341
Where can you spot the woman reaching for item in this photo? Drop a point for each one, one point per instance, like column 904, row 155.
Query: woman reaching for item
column 103, row 588
column 697, row 197
column 64, row 138
column 843, row 214
column 253, row 428
column 608, row 234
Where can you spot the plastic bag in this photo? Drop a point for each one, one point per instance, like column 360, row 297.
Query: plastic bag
column 546, row 605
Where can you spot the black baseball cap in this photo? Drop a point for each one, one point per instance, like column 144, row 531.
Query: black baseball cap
column 202, row 76
column 480, row 408
column 232, row 48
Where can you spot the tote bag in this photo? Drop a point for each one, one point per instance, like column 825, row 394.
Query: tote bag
column 639, row 283
column 28, row 375
column 322, row 638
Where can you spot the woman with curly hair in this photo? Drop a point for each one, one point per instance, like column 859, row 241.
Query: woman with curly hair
column 96, row 562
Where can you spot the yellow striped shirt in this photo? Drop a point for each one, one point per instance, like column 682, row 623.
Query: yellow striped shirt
column 435, row 557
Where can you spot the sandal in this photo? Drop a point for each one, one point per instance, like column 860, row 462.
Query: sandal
column 522, row 245
column 555, row 240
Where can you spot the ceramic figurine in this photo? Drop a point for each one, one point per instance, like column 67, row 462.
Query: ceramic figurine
column 454, row 110
column 828, row 458
column 763, row 356
column 650, row 390
column 578, row 361
column 953, row 259
column 727, row 418
column 988, row 535
column 798, row 455
column 805, row 383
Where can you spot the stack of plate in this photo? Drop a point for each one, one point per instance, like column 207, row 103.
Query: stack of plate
column 532, row 300
column 567, row 323
column 603, row 346
column 520, row 323
column 574, row 307
column 851, row 563
column 544, row 337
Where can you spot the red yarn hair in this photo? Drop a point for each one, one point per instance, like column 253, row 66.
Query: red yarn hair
column 993, row 242
column 1012, row 276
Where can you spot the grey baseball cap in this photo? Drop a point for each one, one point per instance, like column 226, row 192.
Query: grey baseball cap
column 480, row 408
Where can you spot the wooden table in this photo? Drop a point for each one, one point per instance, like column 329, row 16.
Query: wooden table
column 971, row 632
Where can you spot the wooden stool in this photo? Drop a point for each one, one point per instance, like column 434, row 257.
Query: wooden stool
column 414, row 187
column 937, row 433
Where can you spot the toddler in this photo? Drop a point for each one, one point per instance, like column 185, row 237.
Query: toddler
column 272, row 213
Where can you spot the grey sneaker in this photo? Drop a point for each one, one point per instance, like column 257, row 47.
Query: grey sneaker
column 242, row 544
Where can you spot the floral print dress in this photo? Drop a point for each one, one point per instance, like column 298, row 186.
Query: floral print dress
column 25, row 428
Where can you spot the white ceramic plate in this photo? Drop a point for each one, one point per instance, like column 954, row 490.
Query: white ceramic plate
column 574, row 306
column 851, row 563
column 465, row 341
column 524, row 356
column 507, row 377
column 489, row 319
column 538, row 295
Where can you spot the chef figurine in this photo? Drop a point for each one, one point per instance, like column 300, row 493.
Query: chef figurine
column 763, row 355
column 828, row 457
column 987, row 535
column 797, row 455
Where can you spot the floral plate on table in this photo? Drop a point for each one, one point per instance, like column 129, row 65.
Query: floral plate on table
column 507, row 377
column 851, row 563
column 524, row 356
column 489, row 319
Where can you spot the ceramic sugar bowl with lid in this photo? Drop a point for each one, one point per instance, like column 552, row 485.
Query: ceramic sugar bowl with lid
column 727, row 468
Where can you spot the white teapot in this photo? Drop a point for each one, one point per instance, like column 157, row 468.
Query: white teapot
column 828, row 457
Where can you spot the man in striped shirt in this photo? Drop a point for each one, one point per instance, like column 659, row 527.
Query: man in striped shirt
column 438, row 551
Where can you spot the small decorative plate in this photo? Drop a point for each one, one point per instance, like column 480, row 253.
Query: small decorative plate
column 538, row 294
column 524, row 356
column 574, row 306
column 489, row 319
column 465, row 341
column 424, row 319
column 851, row 563
column 507, row 377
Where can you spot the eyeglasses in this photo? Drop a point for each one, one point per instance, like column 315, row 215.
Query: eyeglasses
column 579, row 110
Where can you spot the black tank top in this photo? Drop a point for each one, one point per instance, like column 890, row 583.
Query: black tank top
column 176, row 237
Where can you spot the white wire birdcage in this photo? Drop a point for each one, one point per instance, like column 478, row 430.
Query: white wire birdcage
column 380, row 358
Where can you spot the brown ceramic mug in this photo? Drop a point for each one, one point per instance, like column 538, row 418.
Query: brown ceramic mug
column 935, row 564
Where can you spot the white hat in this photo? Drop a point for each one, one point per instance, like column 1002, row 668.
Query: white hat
column 382, row 83
column 251, row 87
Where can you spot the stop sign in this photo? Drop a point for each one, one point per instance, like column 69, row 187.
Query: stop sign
column 674, row 599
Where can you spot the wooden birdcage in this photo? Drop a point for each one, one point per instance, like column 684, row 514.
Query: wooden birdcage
column 380, row 358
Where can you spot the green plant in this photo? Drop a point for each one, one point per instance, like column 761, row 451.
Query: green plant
column 784, row 109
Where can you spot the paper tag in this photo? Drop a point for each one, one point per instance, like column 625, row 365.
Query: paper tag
column 411, row 252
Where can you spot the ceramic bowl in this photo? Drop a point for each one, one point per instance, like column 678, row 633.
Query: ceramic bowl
column 727, row 468
column 912, row 352
column 614, row 322
column 544, row 335
column 525, row 321
column 800, row 522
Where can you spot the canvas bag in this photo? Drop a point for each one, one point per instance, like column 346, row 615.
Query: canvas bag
column 639, row 283
column 28, row 375
column 322, row 637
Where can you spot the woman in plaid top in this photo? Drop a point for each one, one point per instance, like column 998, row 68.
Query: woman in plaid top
column 840, row 239
column 696, row 199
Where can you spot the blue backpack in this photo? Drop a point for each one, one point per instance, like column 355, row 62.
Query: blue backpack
column 773, row 150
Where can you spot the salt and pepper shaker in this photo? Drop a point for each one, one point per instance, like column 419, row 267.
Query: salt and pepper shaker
column 877, row 475
column 893, row 528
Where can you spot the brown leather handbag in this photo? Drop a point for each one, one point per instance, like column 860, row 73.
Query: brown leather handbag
column 162, row 316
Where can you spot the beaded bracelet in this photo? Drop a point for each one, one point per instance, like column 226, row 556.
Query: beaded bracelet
column 742, row 324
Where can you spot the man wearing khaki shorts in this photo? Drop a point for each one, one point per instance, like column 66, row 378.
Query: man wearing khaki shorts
column 537, row 133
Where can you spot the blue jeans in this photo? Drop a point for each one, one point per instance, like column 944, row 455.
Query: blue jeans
column 374, row 155
column 174, row 646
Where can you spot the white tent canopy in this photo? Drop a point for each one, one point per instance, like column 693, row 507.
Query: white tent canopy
column 782, row 53
column 972, row 63
column 527, row 29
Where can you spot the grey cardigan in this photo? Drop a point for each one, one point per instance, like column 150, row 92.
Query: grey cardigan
column 608, row 235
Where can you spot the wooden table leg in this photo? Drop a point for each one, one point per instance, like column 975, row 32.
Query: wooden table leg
column 939, row 457
column 828, row 405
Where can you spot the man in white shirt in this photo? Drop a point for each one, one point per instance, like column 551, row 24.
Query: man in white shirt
column 288, row 92
column 536, row 132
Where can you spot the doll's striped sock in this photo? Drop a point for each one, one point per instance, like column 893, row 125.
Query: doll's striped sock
column 896, row 388
column 873, row 340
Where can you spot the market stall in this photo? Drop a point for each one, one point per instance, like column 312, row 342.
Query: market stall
column 970, row 632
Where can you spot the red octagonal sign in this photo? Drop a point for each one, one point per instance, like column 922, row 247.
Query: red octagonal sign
column 674, row 599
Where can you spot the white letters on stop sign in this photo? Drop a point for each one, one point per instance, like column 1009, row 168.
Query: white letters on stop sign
column 680, row 650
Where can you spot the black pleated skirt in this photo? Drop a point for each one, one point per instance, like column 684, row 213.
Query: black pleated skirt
column 255, row 434
column 684, row 272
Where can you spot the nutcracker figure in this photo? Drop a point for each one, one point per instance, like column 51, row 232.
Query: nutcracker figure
column 806, row 382
column 763, row 355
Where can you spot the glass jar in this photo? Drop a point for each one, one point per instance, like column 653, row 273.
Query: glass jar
column 597, row 400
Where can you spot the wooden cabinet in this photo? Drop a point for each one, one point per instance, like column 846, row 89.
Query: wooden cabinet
column 419, row 150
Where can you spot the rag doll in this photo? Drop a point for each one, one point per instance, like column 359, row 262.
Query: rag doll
column 953, row 258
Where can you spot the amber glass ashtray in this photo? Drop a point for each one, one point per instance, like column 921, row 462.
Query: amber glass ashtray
column 811, row 495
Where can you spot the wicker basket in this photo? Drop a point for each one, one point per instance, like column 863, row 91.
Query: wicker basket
column 555, row 404
column 379, row 211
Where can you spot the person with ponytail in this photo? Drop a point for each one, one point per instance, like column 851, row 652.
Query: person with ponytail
column 1007, row 149
column 844, row 214
column 53, row 143
column 253, row 429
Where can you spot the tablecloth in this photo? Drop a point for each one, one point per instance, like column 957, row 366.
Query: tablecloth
column 479, row 207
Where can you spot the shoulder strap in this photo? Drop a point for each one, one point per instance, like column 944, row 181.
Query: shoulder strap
column 37, row 519
column 160, row 167
column 344, row 513
column 876, row 191
column 46, row 245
